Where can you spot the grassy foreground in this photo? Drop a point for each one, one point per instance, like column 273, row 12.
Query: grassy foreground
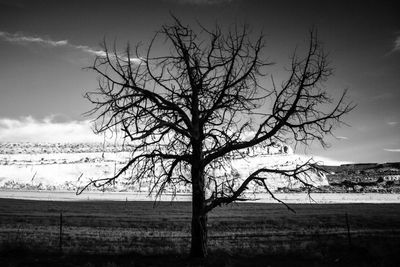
column 114, row 233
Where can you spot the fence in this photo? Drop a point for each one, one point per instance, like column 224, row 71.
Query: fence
column 68, row 237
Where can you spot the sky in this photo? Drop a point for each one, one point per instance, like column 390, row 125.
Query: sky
column 46, row 45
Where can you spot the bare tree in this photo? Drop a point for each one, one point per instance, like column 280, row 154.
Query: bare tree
column 191, row 111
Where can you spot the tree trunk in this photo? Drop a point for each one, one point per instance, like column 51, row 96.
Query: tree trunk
column 199, row 214
column 199, row 223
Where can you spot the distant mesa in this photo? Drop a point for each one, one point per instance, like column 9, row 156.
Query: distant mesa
column 57, row 166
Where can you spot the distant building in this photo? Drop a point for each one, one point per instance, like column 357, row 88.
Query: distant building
column 394, row 177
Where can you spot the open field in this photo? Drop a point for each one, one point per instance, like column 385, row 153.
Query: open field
column 315, row 233
column 303, row 198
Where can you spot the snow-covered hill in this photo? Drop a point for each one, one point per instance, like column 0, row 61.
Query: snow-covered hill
column 67, row 166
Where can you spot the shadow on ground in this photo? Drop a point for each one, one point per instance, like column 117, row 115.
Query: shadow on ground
column 356, row 256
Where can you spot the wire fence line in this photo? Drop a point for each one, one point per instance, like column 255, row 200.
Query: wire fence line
column 65, row 236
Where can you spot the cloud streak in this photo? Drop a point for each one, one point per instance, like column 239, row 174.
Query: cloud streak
column 48, row 130
column 396, row 46
column 397, row 150
column 19, row 38
column 92, row 51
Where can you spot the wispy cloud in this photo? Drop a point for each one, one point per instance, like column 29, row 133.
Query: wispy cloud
column 396, row 45
column 90, row 50
column 392, row 150
column 392, row 123
column 20, row 38
column 29, row 129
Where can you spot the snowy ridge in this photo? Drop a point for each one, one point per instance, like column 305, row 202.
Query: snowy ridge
column 68, row 166
column 282, row 162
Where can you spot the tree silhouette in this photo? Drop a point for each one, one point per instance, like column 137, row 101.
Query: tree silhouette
column 189, row 112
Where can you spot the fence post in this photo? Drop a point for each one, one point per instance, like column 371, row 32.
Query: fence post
column 348, row 230
column 61, row 225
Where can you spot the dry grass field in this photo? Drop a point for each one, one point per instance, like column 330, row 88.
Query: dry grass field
column 117, row 233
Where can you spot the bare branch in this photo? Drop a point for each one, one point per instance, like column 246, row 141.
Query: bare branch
column 198, row 106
